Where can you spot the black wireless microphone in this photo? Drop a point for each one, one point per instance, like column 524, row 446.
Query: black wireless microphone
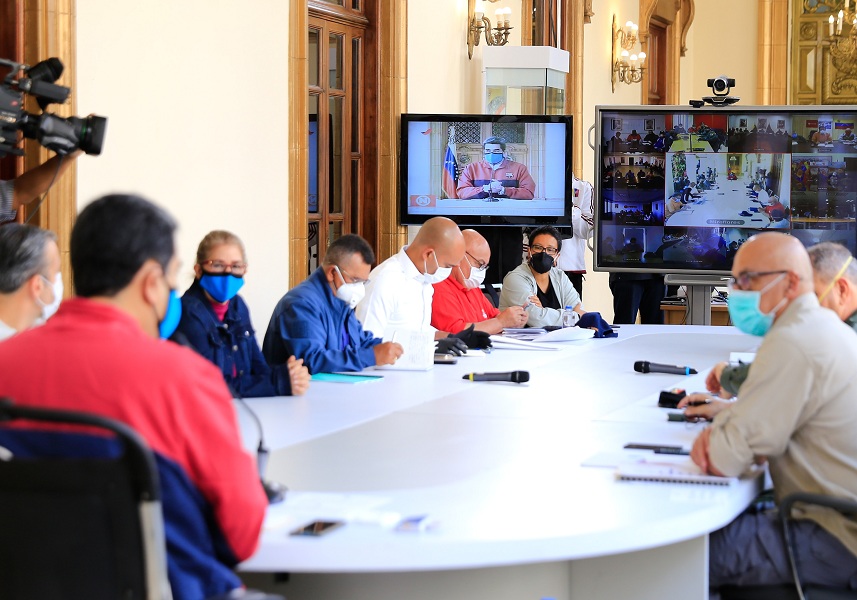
column 510, row 376
column 644, row 366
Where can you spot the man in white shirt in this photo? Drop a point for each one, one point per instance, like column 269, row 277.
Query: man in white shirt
column 399, row 290
column 30, row 280
column 572, row 259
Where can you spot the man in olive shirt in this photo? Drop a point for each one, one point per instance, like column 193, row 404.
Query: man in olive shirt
column 797, row 411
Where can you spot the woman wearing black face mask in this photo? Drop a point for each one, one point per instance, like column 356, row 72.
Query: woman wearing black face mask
column 538, row 284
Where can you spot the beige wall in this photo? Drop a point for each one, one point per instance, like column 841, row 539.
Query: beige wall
column 196, row 96
column 726, row 47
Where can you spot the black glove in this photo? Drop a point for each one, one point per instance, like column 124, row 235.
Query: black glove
column 473, row 338
column 450, row 345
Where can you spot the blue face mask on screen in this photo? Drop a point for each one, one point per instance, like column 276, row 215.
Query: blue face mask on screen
column 221, row 286
column 167, row 326
column 494, row 159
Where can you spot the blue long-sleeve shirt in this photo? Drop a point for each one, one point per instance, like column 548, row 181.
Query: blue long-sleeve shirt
column 231, row 345
column 312, row 323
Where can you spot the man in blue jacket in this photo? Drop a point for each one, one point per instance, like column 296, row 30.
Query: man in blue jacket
column 315, row 320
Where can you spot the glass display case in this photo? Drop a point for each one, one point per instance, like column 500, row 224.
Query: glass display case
column 524, row 80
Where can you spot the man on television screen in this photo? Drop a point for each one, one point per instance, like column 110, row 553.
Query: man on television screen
column 495, row 177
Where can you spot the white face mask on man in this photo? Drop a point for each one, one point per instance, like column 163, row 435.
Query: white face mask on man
column 477, row 276
column 350, row 293
column 49, row 308
column 439, row 275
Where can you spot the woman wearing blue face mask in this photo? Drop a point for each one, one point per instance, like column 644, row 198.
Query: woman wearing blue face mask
column 216, row 322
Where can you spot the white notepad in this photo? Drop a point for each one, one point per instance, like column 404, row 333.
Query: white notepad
column 417, row 349
column 686, row 472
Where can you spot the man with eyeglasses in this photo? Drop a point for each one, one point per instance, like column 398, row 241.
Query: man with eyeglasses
column 315, row 320
column 797, row 412
column 458, row 301
column 495, row 177
column 30, row 280
column 835, row 281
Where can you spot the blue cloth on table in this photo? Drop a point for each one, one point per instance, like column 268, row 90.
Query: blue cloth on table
column 594, row 320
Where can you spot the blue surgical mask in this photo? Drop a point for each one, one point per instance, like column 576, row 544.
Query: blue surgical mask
column 494, row 159
column 221, row 286
column 168, row 325
column 745, row 312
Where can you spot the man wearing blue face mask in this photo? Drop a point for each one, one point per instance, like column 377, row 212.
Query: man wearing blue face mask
column 797, row 412
column 30, row 280
column 216, row 322
column 495, row 177
column 101, row 354
column 315, row 320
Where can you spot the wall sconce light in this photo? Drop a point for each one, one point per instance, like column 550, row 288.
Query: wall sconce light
column 627, row 67
column 843, row 47
column 478, row 23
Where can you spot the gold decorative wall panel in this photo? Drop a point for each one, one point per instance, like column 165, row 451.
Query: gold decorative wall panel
column 818, row 75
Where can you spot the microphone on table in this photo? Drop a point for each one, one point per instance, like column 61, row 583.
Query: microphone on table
column 644, row 366
column 510, row 376
column 276, row 492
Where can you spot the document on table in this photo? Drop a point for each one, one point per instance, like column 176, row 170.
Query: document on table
column 417, row 349
column 500, row 342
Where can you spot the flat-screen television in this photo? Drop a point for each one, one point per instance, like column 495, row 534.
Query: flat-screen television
column 680, row 189
column 486, row 169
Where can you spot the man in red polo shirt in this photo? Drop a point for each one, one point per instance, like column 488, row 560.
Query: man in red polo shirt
column 458, row 302
column 101, row 353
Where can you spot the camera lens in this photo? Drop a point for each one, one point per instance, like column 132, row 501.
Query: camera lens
column 719, row 84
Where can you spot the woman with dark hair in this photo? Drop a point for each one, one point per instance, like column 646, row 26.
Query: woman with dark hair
column 216, row 323
column 538, row 284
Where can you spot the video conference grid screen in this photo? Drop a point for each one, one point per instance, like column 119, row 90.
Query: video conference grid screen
column 681, row 190
column 479, row 169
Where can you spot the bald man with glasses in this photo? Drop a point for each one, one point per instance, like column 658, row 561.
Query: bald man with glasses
column 458, row 301
column 797, row 413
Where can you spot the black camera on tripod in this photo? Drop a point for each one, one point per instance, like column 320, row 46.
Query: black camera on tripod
column 62, row 135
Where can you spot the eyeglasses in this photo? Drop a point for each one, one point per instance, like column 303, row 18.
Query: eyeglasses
column 479, row 266
column 343, row 273
column 745, row 279
column 536, row 248
column 492, row 152
column 218, row 266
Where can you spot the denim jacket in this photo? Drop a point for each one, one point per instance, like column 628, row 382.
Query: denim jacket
column 231, row 345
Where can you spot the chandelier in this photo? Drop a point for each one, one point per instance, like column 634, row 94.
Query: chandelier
column 843, row 46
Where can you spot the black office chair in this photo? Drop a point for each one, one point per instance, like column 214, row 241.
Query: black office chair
column 86, row 526
column 798, row 591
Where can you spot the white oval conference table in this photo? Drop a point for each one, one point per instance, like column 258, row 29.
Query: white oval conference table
column 498, row 469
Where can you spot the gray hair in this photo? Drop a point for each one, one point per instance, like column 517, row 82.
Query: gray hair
column 827, row 260
column 22, row 254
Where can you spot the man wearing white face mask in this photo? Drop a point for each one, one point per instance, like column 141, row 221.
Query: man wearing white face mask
column 315, row 320
column 30, row 281
column 796, row 412
column 458, row 302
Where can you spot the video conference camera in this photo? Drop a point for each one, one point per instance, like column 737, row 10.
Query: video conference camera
column 721, row 86
column 62, row 135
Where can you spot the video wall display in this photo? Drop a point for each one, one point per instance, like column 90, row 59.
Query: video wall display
column 680, row 189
